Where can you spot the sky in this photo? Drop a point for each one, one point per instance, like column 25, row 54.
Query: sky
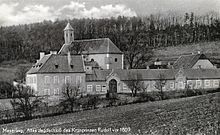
column 14, row 12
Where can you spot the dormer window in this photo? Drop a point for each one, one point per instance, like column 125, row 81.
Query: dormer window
column 40, row 65
column 56, row 66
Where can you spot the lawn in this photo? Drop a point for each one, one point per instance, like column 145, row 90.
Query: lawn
column 176, row 116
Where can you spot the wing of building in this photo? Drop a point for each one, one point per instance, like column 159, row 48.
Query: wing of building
column 97, row 66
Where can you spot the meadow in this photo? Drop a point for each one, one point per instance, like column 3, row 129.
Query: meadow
column 192, row 115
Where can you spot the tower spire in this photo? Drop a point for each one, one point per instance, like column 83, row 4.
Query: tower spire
column 68, row 33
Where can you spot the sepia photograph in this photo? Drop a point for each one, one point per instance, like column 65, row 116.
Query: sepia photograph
column 110, row 67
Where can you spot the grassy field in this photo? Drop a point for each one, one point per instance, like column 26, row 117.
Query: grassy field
column 8, row 69
column 193, row 115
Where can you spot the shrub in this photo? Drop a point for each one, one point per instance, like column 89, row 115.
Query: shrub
column 89, row 101
column 194, row 92
column 6, row 90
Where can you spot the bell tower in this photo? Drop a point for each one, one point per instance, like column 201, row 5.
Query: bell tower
column 68, row 34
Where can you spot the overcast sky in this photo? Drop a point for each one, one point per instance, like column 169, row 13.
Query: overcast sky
column 15, row 12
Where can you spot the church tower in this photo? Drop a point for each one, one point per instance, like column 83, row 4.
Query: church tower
column 68, row 34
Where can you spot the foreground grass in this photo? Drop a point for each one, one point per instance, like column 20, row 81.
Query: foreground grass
column 191, row 115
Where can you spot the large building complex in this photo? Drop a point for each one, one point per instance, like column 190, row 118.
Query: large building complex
column 97, row 67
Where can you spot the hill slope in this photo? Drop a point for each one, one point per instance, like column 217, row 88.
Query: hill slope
column 211, row 49
column 177, row 116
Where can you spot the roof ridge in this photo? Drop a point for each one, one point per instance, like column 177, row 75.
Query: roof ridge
column 90, row 39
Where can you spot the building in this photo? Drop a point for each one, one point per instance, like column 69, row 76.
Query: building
column 193, row 61
column 96, row 65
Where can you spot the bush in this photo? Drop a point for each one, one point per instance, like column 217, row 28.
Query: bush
column 89, row 101
column 194, row 92
column 6, row 90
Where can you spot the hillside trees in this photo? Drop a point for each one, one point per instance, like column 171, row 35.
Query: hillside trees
column 158, row 30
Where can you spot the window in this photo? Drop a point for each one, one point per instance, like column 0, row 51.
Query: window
column 198, row 83
column 56, row 91
column 47, row 80
column 216, row 83
column 98, row 87
column 190, row 84
column 46, row 92
column 172, row 85
column 78, row 79
column 56, row 79
column 116, row 60
column 207, row 83
column 103, row 88
column 89, row 88
column 27, row 80
column 181, row 85
column 124, row 87
column 67, row 79
column 34, row 79
column 56, row 66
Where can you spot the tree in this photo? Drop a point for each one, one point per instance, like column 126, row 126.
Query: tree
column 6, row 90
column 135, row 84
column 70, row 96
column 136, row 50
column 21, row 73
column 159, row 85
column 25, row 102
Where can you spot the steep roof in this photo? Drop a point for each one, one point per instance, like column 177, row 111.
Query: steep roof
column 68, row 27
column 153, row 74
column 93, row 46
column 187, row 61
column 58, row 64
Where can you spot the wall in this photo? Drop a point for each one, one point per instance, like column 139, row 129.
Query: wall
column 170, row 85
column 55, row 82
column 31, row 80
column 101, row 59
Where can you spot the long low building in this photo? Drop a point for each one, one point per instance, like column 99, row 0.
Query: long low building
column 96, row 66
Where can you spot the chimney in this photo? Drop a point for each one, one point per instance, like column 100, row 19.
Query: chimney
column 42, row 55
column 53, row 52
column 199, row 52
column 69, row 58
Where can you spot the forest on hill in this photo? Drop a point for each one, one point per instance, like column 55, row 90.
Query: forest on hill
column 131, row 35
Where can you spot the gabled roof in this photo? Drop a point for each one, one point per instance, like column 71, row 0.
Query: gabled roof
column 153, row 74
column 188, row 61
column 68, row 27
column 93, row 46
column 58, row 64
